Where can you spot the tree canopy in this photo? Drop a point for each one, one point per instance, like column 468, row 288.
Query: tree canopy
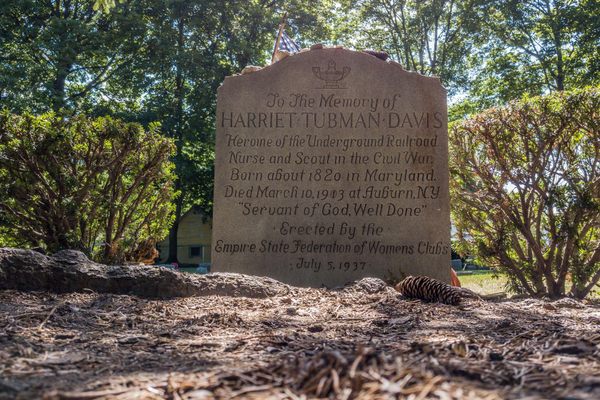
column 149, row 61
column 535, row 47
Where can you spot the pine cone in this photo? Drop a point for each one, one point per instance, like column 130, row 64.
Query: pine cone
column 429, row 289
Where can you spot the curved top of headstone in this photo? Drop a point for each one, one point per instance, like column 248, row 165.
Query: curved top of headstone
column 332, row 66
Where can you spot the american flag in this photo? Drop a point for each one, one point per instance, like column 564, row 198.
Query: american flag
column 287, row 44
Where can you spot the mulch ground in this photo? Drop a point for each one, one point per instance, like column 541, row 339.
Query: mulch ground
column 359, row 342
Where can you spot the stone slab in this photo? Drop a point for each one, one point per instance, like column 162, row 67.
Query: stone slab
column 331, row 165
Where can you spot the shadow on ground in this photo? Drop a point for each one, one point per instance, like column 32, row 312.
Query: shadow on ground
column 317, row 343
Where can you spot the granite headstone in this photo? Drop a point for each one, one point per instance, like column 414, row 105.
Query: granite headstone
column 332, row 165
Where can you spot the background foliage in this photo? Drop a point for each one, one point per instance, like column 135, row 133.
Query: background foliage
column 143, row 61
column 100, row 185
column 149, row 61
column 526, row 190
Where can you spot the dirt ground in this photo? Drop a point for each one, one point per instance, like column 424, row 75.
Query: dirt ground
column 364, row 342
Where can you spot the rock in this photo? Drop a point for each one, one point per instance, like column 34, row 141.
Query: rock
column 568, row 302
column 72, row 257
column 248, row 69
column 291, row 311
column 368, row 285
column 281, row 54
column 382, row 55
column 71, row 271
column 39, row 250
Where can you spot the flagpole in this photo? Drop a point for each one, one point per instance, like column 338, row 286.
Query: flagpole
column 281, row 25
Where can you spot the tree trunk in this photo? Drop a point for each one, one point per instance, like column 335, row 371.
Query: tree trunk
column 173, row 243
column 560, row 71
column 179, row 98
column 58, row 85
column 554, row 289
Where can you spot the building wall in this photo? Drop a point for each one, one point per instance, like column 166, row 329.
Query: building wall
column 193, row 233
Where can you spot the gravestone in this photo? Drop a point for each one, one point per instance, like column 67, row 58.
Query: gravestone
column 331, row 165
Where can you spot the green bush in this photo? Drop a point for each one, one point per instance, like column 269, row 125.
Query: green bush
column 525, row 189
column 101, row 185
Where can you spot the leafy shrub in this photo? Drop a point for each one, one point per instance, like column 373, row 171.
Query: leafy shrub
column 525, row 189
column 97, row 185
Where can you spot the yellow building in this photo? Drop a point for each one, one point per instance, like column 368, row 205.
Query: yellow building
column 193, row 240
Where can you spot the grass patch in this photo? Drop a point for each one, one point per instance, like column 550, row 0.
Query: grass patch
column 484, row 282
